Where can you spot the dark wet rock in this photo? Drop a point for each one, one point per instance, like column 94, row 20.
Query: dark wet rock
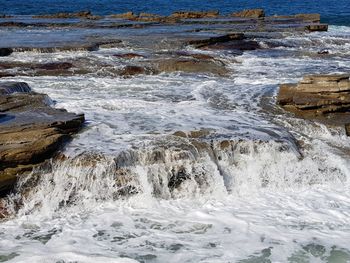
column 5, row 52
column 235, row 45
column 31, row 131
column 323, row 52
column 128, row 55
column 194, row 15
column 321, row 97
column 5, row 75
column 132, row 70
column 56, row 66
column 198, row 43
column 191, row 66
column 317, row 27
column 177, row 178
column 251, row 13
column 5, row 16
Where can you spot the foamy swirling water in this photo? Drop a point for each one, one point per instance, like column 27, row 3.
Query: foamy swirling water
column 257, row 204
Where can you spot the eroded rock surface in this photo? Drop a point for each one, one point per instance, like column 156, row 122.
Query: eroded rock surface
column 30, row 130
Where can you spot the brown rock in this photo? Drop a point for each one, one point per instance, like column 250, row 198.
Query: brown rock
column 317, row 27
column 251, row 13
column 322, row 97
column 193, row 15
column 30, row 130
column 81, row 14
column 191, row 66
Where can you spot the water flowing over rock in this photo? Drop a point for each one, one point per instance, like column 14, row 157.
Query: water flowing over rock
column 31, row 131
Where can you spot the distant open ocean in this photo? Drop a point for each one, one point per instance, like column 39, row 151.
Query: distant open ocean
column 335, row 12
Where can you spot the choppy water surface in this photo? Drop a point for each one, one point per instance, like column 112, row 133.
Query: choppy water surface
column 264, row 201
column 332, row 11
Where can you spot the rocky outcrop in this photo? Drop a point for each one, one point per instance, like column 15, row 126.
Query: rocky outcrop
column 250, row 13
column 194, row 15
column 30, row 130
column 322, row 97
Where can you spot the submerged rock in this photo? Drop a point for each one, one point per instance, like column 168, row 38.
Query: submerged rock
column 31, row 131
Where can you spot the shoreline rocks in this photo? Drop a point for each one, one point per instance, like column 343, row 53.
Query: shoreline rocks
column 322, row 97
column 31, row 131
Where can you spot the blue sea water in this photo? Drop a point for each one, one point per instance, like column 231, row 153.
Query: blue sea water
column 336, row 12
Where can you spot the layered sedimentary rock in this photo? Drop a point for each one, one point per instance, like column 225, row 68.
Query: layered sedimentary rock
column 30, row 130
column 323, row 97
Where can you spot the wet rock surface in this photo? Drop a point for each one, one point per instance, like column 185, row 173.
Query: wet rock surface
column 321, row 97
column 31, row 131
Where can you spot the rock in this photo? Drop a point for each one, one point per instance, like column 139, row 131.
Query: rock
column 191, row 66
column 316, row 18
column 324, row 97
column 198, row 43
column 193, row 15
column 317, row 27
column 5, row 52
column 56, row 66
column 128, row 55
column 251, row 13
column 81, row 14
column 132, row 70
column 4, row 75
column 30, row 130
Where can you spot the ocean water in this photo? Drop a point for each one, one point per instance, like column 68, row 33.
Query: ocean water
column 335, row 12
column 261, row 200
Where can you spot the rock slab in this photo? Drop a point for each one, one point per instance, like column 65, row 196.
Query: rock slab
column 30, row 130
